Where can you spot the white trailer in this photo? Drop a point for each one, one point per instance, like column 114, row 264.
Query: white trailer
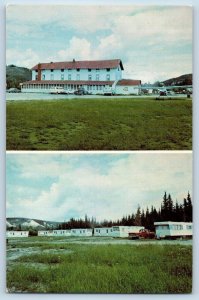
column 103, row 231
column 170, row 229
column 81, row 232
column 124, row 231
column 17, row 234
column 62, row 232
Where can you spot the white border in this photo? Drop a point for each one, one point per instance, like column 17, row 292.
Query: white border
column 195, row 4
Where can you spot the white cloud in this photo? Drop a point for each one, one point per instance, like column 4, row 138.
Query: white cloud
column 78, row 48
column 150, row 40
column 80, row 189
column 27, row 58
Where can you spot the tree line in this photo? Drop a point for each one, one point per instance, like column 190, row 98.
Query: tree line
column 168, row 211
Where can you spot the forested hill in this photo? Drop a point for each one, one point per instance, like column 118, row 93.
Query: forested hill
column 181, row 80
column 16, row 75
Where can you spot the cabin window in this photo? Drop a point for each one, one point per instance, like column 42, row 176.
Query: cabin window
column 189, row 226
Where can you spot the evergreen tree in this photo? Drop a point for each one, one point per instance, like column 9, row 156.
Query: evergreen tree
column 138, row 217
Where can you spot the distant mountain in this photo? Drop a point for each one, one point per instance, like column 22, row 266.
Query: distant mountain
column 26, row 223
column 16, row 75
column 181, row 80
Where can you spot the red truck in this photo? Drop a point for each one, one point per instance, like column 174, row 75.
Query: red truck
column 142, row 234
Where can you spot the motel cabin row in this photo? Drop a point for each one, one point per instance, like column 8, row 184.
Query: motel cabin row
column 163, row 230
column 94, row 77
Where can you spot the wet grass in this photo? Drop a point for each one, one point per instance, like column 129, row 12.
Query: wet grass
column 105, row 269
column 99, row 124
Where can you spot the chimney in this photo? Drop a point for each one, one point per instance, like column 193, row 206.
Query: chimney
column 39, row 72
column 73, row 60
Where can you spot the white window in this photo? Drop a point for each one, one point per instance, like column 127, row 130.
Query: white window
column 89, row 77
column 97, row 77
column 78, row 77
column 43, row 77
column 107, row 76
column 69, row 76
column 62, row 76
column 51, row 76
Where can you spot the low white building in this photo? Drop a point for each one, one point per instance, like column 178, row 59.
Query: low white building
column 128, row 87
column 170, row 229
column 62, row 232
column 81, row 232
column 17, row 234
column 103, row 231
column 124, row 231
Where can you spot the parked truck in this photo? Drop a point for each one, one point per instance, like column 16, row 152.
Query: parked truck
column 142, row 234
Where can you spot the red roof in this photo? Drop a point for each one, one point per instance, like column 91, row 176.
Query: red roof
column 84, row 64
column 80, row 82
column 128, row 82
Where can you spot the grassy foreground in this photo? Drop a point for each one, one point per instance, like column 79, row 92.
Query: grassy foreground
column 80, row 268
column 99, row 124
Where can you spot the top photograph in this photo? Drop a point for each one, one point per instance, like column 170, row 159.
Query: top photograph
column 98, row 77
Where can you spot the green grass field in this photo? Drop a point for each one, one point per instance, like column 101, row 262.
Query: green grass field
column 83, row 268
column 99, row 124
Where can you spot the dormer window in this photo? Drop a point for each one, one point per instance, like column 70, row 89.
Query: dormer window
column 78, row 70
column 62, row 70
column 89, row 70
column 108, row 69
column 51, row 70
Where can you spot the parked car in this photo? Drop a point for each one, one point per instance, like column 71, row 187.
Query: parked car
column 14, row 90
column 81, row 92
column 163, row 93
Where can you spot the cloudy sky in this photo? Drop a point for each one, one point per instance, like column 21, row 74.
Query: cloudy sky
column 154, row 42
column 55, row 186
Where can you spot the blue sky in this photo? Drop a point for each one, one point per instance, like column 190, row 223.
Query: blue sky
column 55, row 186
column 154, row 42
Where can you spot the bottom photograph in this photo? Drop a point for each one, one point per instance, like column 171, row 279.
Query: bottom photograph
column 99, row 222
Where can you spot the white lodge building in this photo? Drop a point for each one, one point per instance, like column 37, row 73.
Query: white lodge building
column 96, row 77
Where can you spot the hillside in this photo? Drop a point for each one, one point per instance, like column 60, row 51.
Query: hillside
column 181, row 80
column 26, row 223
column 16, row 75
